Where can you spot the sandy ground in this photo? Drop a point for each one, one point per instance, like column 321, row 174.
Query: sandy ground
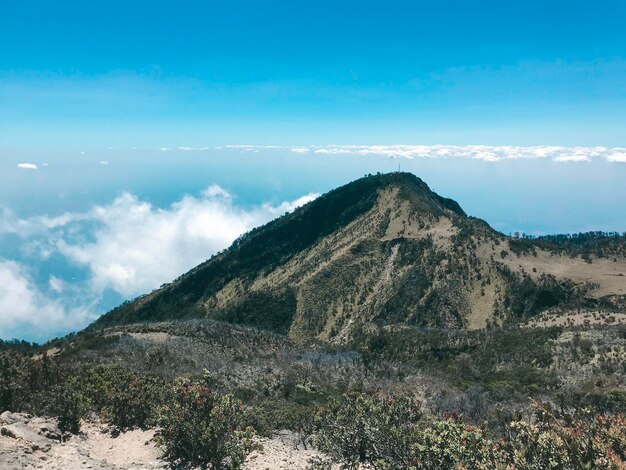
column 24, row 445
column 284, row 451
column 29, row 443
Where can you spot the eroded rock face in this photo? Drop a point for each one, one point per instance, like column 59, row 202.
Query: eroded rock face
column 11, row 418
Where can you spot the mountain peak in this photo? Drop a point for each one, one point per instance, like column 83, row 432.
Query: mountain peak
column 376, row 206
column 411, row 188
column 381, row 251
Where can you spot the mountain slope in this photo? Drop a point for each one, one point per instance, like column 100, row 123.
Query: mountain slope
column 383, row 251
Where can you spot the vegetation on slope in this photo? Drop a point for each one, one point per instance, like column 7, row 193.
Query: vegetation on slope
column 381, row 251
column 261, row 250
column 600, row 244
column 389, row 432
column 472, row 409
column 380, row 278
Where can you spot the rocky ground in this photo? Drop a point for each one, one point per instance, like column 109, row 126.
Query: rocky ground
column 28, row 442
column 34, row 442
column 283, row 451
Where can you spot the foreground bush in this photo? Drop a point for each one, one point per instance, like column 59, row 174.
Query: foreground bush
column 121, row 397
column 387, row 433
column 374, row 429
column 200, row 428
column 67, row 406
column 25, row 382
column 566, row 440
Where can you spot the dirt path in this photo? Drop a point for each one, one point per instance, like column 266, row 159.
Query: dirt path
column 34, row 443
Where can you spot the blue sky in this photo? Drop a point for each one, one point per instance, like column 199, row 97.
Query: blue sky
column 138, row 138
column 205, row 72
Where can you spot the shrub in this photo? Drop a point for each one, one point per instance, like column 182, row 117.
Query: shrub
column 121, row 397
column 271, row 415
column 200, row 428
column 15, row 373
column 558, row 439
column 450, row 443
column 25, row 382
column 67, row 406
column 386, row 433
column 374, row 429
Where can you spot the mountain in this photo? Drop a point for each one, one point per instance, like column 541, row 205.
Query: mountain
column 342, row 316
column 384, row 252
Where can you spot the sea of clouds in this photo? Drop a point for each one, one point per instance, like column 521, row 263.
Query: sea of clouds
column 488, row 153
column 128, row 246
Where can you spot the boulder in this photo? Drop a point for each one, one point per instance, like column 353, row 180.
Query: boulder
column 9, row 417
column 46, row 427
column 26, row 434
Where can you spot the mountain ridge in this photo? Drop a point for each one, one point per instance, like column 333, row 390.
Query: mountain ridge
column 383, row 250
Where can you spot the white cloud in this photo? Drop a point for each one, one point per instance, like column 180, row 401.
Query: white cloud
column 572, row 158
column 23, row 307
column 617, row 157
column 37, row 225
column 104, row 162
column 56, row 284
column 8, row 221
column 289, row 206
column 216, row 191
column 474, row 152
column 185, row 149
column 27, row 166
column 136, row 247
column 248, row 146
column 487, row 153
column 128, row 246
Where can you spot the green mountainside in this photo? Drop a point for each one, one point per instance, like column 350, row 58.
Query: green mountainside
column 380, row 324
column 384, row 251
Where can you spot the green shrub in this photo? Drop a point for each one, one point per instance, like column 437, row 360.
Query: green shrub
column 200, row 428
column 26, row 383
column 275, row 414
column 368, row 429
column 67, row 406
column 386, row 433
column 15, row 371
column 450, row 443
column 123, row 398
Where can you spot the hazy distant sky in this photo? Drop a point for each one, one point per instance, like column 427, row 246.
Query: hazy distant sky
column 139, row 137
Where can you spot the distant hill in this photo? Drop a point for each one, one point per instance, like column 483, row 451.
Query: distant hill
column 387, row 252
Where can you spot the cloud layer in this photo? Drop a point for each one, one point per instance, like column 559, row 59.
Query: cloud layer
column 137, row 247
column 478, row 152
column 486, row 153
column 128, row 246
column 25, row 308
